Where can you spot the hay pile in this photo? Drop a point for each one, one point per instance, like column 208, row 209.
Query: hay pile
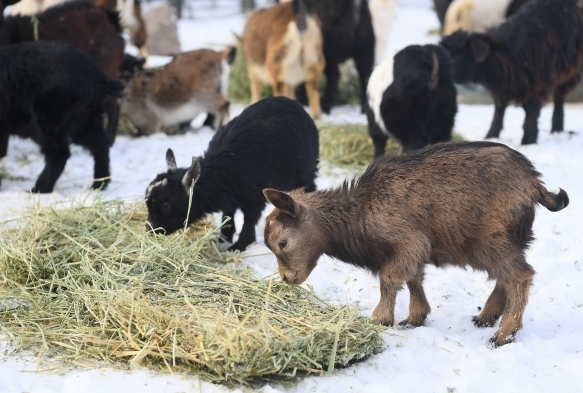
column 348, row 144
column 85, row 283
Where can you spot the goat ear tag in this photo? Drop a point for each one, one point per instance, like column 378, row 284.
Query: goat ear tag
column 282, row 201
column 480, row 50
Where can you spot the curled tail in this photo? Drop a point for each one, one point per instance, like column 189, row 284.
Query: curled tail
column 114, row 88
column 554, row 202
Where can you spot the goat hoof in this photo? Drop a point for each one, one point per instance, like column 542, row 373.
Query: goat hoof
column 528, row 140
column 492, row 134
column 481, row 324
column 556, row 130
column 499, row 339
column 99, row 185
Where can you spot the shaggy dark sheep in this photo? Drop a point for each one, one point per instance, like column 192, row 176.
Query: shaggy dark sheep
column 54, row 94
column 412, row 98
column 535, row 55
column 462, row 204
column 273, row 143
column 94, row 30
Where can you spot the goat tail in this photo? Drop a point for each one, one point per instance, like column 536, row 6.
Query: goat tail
column 554, row 202
column 114, row 87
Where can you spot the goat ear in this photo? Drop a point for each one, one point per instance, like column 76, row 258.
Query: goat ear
column 191, row 176
column 480, row 50
column 282, row 201
column 170, row 160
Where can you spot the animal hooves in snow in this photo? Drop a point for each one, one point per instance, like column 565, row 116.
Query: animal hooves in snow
column 481, row 324
column 498, row 339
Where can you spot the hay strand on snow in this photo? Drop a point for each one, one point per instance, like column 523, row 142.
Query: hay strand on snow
column 83, row 283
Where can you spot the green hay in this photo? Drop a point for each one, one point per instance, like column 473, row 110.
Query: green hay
column 348, row 144
column 85, row 283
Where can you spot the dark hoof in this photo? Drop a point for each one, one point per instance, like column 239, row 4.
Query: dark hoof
column 40, row 190
column 496, row 342
column 99, row 185
column 406, row 325
column 556, row 131
column 238, row 247
column 326, row 108
column 480, row 324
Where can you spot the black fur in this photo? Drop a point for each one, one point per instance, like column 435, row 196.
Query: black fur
column 441, row 7
column 535, row 55
column 130, row 66
column 54, row 94
column 273, row 143
column 348, row 33
column 413, row 111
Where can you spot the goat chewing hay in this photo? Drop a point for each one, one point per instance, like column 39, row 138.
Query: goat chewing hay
column 83, row 283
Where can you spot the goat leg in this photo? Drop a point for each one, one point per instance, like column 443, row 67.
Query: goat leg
column 558, row 113
column 55, row 161
column 332, row 78
column 228, row 230
column 493, row 309
column 4, row 137
column 247, row 235
column 384, row 313
column 498, row 120
column 517, row 298
column 419, row 307
column 532, row 109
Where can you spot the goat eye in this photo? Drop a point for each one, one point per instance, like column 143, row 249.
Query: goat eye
column 282, row 243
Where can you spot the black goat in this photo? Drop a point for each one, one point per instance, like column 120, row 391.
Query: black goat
column 412, row 98
column 54, row 94
column 94, row 30
column 537, row 53
column 348, row 33
column 273, row 143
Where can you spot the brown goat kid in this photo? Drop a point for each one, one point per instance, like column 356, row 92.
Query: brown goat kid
column 283, row 47
column 194, row 82
column 464, row 204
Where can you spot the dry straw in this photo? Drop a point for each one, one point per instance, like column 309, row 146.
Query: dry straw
column 349, row 145
column 84, row 282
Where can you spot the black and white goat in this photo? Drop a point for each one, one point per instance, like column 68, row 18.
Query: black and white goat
column 273, row 143
column 412, row 98
column 535, row 55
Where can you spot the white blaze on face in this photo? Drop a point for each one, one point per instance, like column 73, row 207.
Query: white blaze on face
column 153, row 185
column 380, row 79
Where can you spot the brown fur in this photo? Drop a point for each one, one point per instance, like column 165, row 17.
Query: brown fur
column 277, row 54
column 195, row 78
column 138, row 34
column 463, row 204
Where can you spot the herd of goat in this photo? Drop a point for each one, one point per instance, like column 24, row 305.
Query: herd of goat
column 466, row 204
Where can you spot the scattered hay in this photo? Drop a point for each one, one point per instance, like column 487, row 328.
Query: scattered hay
column 83, row 283
column 125, row 126
column 348, row 144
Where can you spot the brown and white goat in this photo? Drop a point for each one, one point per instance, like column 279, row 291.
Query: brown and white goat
column 193, row 83
column 283, row 47
column 463, row 204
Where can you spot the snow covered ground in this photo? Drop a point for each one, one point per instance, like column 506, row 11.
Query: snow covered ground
column 448, row 353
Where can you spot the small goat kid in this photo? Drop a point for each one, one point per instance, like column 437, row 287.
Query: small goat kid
column 193, row 83
column 465, row 204
column 283, row 47
column 273, row 143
